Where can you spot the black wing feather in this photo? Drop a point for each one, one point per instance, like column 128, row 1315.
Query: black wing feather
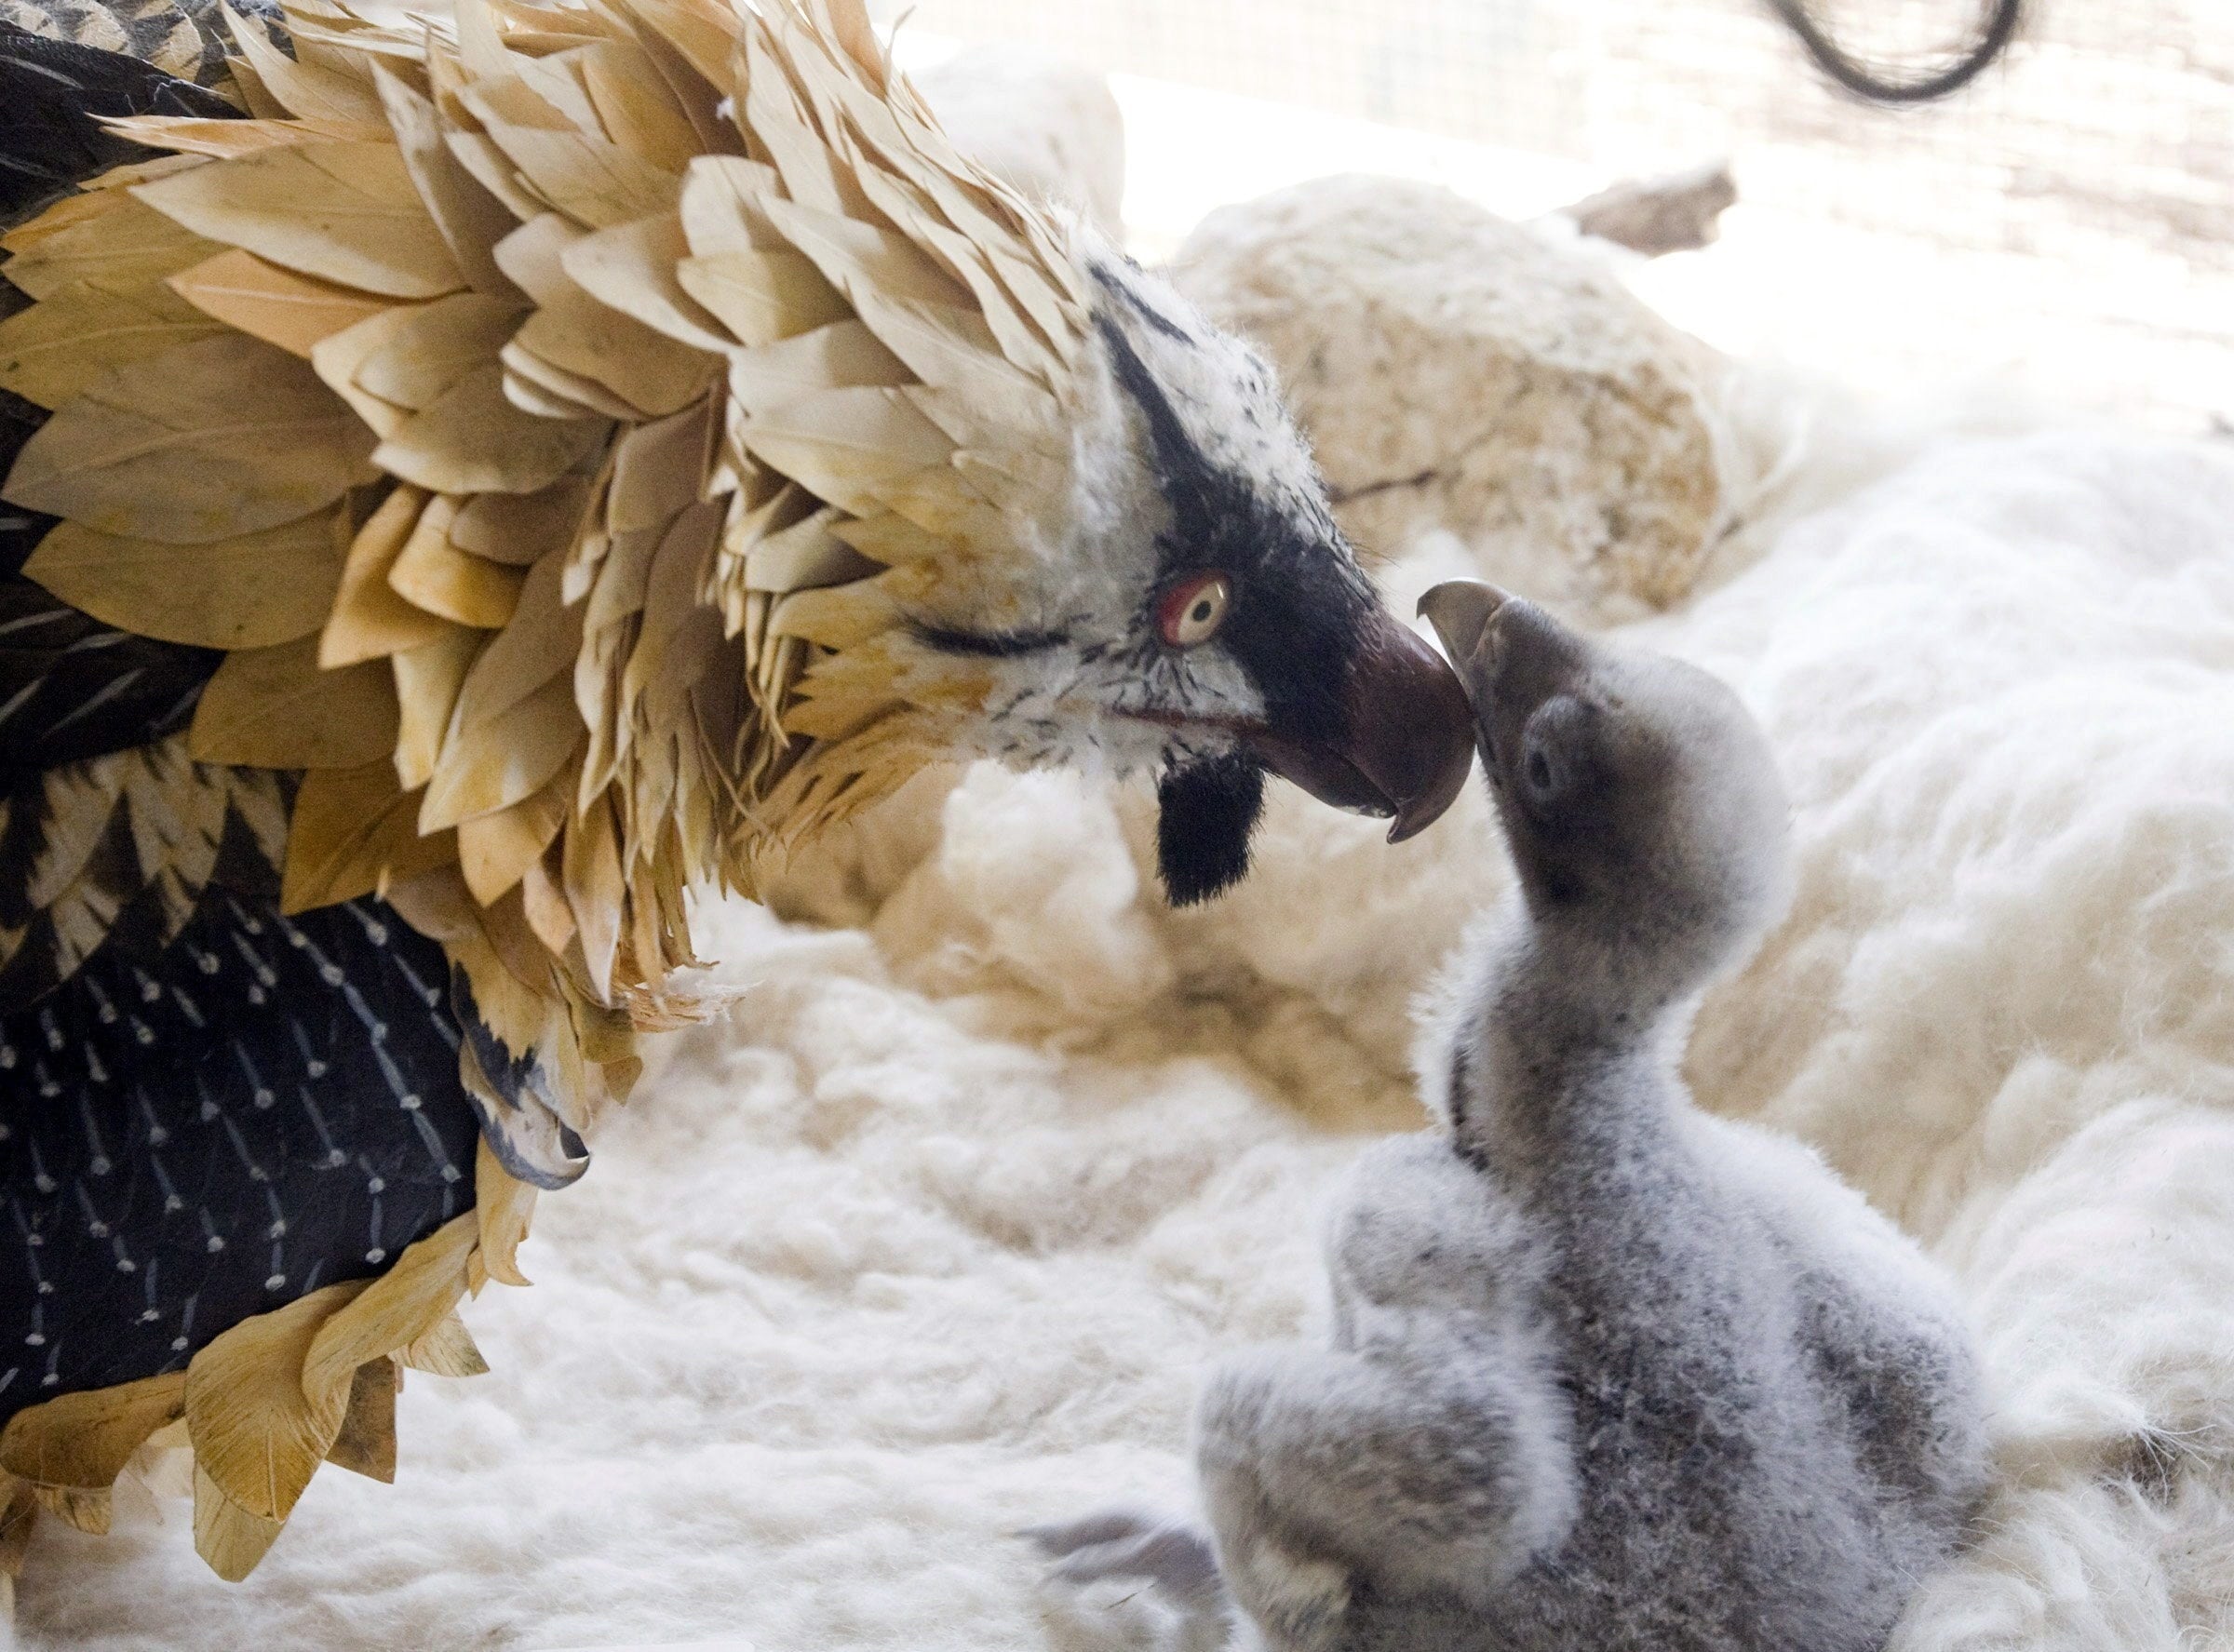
column 70, row 686
column 219, row 1109
column 52, row 91
column 73, row 687
column 268, row 1106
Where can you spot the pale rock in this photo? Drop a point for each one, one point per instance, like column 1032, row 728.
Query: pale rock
column 1455, row 370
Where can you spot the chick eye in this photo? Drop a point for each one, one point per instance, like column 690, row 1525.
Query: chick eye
column 1553, row 749
column 1193, row 609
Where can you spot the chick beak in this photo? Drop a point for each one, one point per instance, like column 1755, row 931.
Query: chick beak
column 1408, row 734
column 1461, row 611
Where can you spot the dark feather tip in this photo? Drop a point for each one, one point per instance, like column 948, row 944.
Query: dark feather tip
column 1209, row 813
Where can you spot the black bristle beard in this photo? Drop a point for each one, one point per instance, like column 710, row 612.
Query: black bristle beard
column 1209, row 813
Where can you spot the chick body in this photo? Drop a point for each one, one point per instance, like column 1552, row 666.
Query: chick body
column 1604, row 1371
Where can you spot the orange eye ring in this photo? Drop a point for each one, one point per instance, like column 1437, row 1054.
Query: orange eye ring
column 1191, row 611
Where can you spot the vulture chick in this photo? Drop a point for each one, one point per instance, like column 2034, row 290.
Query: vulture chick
column 1605, row 1370
column 469, row 480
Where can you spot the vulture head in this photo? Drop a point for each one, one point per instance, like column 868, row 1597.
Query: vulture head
column 1193, row 612
column 618, row 442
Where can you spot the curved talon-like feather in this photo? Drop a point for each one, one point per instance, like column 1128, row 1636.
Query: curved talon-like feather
column 1175, row 1555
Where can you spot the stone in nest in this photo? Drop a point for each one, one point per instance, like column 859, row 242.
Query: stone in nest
column 1454, row 370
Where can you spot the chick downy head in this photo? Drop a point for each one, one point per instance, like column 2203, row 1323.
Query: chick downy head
column 1647, row 819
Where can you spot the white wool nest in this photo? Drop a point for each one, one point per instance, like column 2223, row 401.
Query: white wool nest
column 930, row 1240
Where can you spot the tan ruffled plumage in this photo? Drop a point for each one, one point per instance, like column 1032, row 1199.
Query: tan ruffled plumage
column 269, row 1399
column 554, row 417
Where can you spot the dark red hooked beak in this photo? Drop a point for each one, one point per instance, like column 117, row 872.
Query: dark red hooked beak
column 1408, row 737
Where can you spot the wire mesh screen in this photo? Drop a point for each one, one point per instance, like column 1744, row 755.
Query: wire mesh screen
column 2085, row 184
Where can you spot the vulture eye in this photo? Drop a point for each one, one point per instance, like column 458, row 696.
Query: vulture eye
column 1193, row 609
